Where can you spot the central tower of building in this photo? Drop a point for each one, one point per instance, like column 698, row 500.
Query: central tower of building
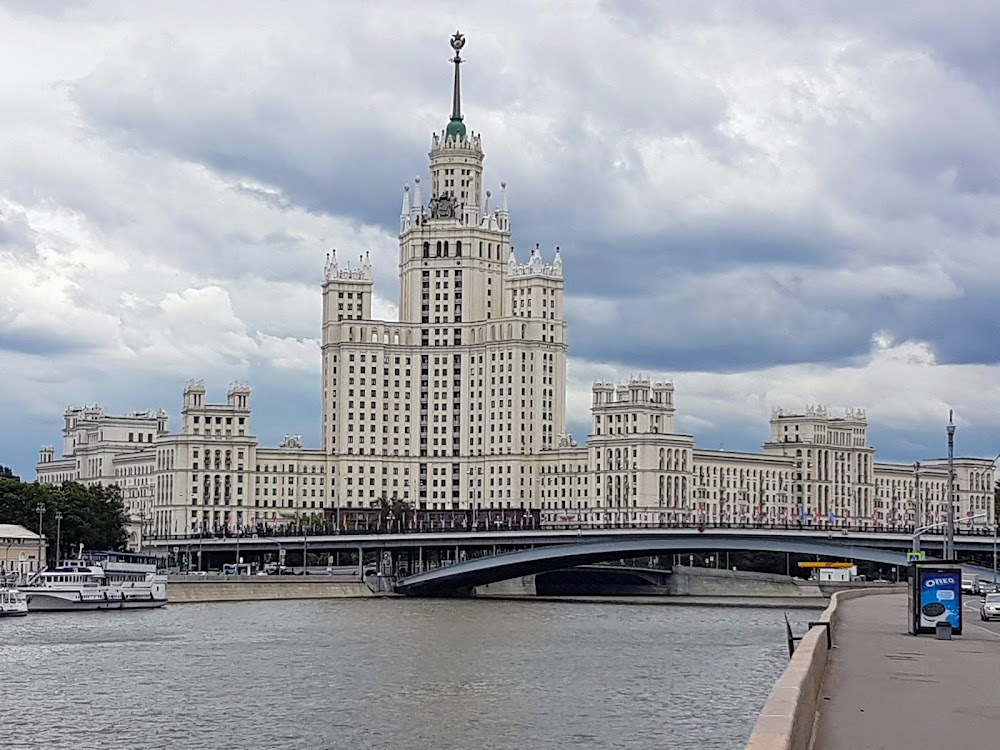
column 449, row 407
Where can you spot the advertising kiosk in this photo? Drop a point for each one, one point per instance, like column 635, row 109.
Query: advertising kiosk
column 935, row 597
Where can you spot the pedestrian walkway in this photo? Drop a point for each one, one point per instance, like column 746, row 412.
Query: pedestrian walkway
column 888, row 690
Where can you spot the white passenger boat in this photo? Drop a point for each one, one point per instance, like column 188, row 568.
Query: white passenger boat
column 98, row 580
column 12, row 603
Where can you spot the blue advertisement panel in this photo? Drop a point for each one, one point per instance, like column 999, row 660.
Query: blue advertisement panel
column 940, row 598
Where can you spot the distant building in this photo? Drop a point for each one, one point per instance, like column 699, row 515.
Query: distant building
column 22, row 552
column 459, row 406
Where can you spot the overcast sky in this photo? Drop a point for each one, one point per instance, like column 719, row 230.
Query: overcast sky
column 772, row 205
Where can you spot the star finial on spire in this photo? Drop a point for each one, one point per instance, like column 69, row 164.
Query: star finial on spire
column 456, row 128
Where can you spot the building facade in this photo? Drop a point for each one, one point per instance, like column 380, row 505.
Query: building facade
column 458, row 407
column 22, row 553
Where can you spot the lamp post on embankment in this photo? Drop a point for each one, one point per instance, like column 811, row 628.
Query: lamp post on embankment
column 949, row 535
column 970, row 519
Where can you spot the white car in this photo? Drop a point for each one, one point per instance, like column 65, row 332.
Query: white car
column 991, row 607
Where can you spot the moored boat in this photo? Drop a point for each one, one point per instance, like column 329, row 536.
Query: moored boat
column 13, row 603
column 96, row 581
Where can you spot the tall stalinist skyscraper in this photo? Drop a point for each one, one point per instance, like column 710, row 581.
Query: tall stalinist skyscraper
column 461, row 404
column 458, row 395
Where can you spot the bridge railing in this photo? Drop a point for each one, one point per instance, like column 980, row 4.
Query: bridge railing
column 482, row 527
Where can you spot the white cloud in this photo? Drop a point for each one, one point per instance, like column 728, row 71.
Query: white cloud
column 901, row 384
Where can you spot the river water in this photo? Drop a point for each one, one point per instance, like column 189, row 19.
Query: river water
column 390, row 674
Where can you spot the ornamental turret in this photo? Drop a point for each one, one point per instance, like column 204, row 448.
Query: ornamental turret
column 456, row 158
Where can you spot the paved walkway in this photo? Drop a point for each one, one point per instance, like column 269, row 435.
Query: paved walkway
column 886, row 689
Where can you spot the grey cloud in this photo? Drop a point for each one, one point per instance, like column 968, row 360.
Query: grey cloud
column 349, row 153
column 564, row 116
column 41, row 343
column 17, row 238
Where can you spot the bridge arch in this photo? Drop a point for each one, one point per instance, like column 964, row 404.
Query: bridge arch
column 457, row 578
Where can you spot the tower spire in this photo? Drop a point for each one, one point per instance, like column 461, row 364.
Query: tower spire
column 456, row 128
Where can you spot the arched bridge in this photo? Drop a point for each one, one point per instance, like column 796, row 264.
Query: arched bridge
column 461, row 577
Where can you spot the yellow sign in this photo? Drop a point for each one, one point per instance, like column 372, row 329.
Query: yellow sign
column 826, row 565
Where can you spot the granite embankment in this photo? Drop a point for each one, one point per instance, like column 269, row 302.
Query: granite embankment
column 690, row 581
column 685, row 584
column 788, row 718
column 186, row 589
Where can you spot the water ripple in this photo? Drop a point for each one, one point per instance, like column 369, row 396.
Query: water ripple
column 387, row 674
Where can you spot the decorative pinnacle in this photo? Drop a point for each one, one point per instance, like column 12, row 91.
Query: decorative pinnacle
column 455, row 127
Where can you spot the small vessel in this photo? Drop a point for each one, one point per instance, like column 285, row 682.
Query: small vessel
column 13, row 603
column 98, row 580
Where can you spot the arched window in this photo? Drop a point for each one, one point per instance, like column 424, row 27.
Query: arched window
column 427, row 249
column 446, row 248
column 439, row 248
column 458, row 249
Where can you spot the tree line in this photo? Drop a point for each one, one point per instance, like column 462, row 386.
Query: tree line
column 92, row 516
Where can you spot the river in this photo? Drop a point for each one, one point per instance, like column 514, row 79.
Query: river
column 390, row 674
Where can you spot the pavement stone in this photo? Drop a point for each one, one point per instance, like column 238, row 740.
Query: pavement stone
column 887, row 690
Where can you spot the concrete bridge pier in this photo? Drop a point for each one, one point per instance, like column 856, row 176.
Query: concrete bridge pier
column 513, row 587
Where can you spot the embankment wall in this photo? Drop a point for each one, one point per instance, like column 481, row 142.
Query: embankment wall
column 788, row 717
column 259, row 588
column 688, row 581
column 520, row 586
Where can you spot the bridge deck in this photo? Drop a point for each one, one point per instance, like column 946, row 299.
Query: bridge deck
column 479, row 571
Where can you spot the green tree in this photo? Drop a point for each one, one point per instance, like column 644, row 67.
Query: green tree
column 396, row 509
column 7, row 473
column 92, row 516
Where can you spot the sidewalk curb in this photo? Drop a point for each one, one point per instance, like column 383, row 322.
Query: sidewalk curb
column 787, row 720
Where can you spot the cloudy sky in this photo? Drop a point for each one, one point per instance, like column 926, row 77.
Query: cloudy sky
column 771, row 205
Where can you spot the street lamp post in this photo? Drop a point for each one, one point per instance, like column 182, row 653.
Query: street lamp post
column 59, row 518
column 996, row 527
column 472, row 497
column 939, row 524
column 41, row 512
column 949, row 539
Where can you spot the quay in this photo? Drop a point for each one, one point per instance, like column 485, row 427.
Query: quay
column 887, row 689
column 880, row 688
column 188, row 589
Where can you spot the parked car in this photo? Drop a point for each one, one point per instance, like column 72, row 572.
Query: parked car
column 991, row 607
